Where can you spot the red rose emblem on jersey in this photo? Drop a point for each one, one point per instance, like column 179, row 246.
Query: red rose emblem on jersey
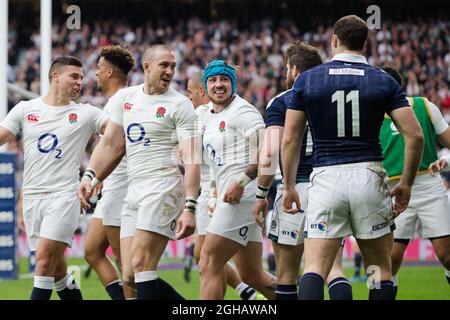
column 33, row 118
column 73, row 118
column 222, row 126
column 160, row 112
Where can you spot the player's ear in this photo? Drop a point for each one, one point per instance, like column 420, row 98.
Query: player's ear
column 296, row 71
column 334, row 41
column 145, row 66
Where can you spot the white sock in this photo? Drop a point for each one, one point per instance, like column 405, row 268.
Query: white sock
column 65, row 282
column 145, row 276
column 115, row 281
column 241, row 287
column 447, row 273
column 42, row 282
column 395, row 280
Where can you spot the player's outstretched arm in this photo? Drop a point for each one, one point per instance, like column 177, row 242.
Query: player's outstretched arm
column 268, row 161
column 407, row 124
column 105, row 158
column 191, row 159
column 294, row 129
column 5, row 135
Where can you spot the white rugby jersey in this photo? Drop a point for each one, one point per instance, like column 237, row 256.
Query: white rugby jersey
column 225, row 139
column 54, row 139
column 120, row 172
column 205, row 179
column 153, row 126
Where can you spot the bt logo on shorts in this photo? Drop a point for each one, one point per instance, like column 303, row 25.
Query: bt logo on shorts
column 293, row 234
column 321, row 226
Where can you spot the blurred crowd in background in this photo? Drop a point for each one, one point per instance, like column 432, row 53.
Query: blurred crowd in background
column 418, row 48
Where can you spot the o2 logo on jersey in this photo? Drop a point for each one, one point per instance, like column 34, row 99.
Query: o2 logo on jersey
column 136, row 133
column 47, row 143
column 212, row 155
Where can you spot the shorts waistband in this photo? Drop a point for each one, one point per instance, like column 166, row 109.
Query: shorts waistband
column 351, row 166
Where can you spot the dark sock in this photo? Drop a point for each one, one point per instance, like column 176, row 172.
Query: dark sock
column 41, row 294
column 340, row 289
column 167, row 292
column 448, row 279
column 115, row 290
column 311, row 287
column 148, row 290
column 395, row 292
column 42, row 289
column 67, row 289
column 286, row 292
column 385, row 292
column 358, row 260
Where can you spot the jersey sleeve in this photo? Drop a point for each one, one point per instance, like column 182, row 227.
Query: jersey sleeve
column 13, row 120
column 114, row 106
column 275, row 113
column 248, row 120
column 98, row 119
column 296, row 99
column 398, row 97
column 439, row 123
column 185, row 120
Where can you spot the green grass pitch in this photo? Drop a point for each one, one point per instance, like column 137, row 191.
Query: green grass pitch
column 415, row 283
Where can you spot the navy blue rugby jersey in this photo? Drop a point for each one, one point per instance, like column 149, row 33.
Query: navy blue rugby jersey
column 345, row 101
column 275, row 115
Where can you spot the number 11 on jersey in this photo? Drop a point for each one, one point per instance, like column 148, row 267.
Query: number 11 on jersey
column 341, row 99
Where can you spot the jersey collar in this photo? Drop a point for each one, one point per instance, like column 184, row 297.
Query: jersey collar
column 347, row 57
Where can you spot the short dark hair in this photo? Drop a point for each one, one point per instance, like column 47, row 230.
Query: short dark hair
column 63, row 61
column 393, row 73
column 119, row 57
column 352, row 32
column 303, row 56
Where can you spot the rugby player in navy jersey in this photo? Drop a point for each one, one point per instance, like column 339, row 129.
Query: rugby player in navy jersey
column 286, row 230
column 345, row 101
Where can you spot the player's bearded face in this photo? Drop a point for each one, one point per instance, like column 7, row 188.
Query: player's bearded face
column 219, row 89
column 70, row 81
column 289, row 77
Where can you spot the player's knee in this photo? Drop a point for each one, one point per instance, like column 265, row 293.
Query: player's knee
column 138, row 262
column 44, row 265
column 92, row 256
column 205, row 263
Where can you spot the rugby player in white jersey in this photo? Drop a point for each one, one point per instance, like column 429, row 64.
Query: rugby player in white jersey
column 207, row 200
column 230, row 130
column 286, row 231
column 156, row 121
column 55, row 132
column 104, row 229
